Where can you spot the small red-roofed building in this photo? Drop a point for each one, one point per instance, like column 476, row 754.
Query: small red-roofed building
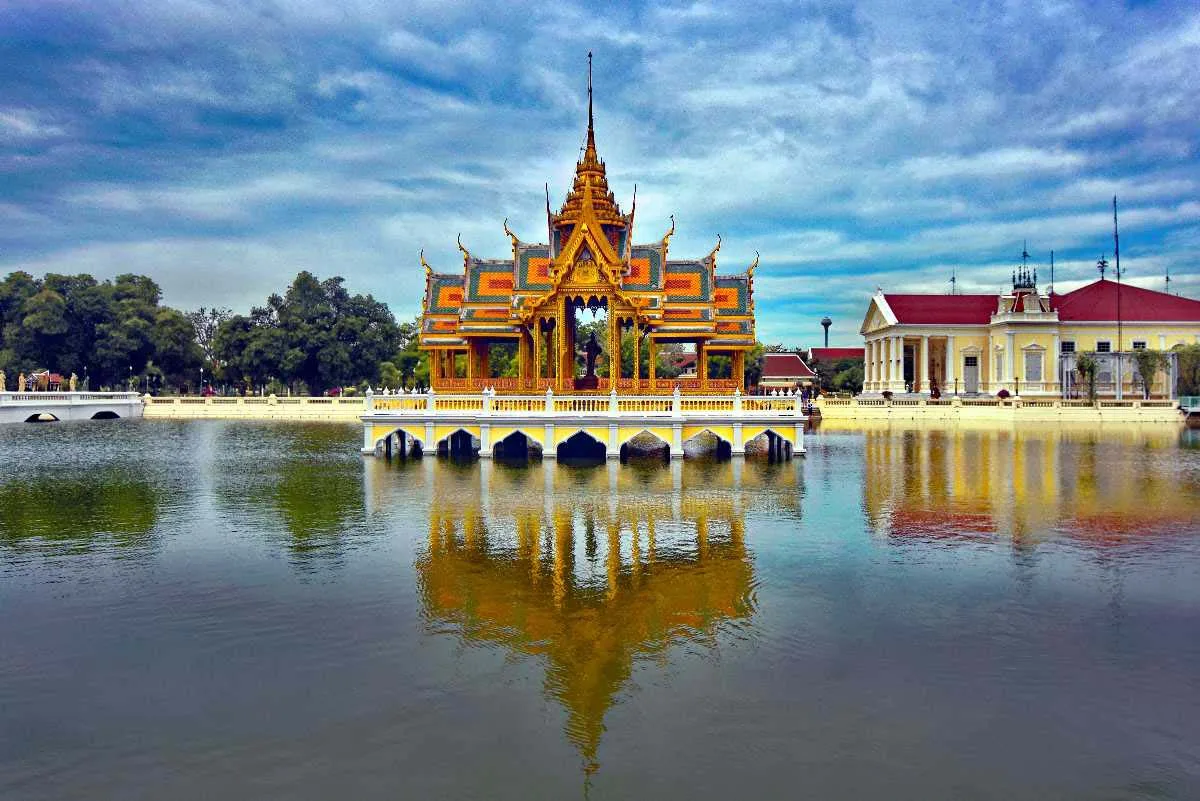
column 834, row 354
column 1024, row 342
column 785, row 371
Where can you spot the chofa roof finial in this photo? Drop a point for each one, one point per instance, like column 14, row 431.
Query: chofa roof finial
column 466, row 253
column 511, row 235
column 667, row 237
column 753, row 265
column 712, row 256
column 425, row 264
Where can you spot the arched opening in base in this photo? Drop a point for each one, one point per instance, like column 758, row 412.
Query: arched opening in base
column 41, row 417
column 770, row 446
column 707, row 445
column 581, row 448
column 106, row 416
column 401, row 444
column 459, row 445
column 646, row 447
column 517, row 447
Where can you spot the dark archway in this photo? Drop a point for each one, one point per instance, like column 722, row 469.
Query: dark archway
column 41, row 417
column 582, row 448
column 106, row 416
column 401, row 444
column 516, row 447
column 459, row 445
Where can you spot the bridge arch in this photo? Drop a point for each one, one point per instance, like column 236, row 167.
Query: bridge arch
column 518, row 444
column 648, row 442
column 582, row 445
column 42, row 417
column 403, row 442
column 459, row 443
column 707, row 442
column 106, row 414
column 776, row 445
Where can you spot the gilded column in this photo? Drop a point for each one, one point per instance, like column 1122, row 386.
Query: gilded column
column 652, row 356
column 739, row 369
column 702, row 364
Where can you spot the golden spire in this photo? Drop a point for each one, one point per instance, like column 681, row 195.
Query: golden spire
column 425, row 264
column 590, row 187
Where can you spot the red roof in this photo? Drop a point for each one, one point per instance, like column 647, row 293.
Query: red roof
column 834, row 354
column 784, row 365
column 1098, row 302
column 943, row 309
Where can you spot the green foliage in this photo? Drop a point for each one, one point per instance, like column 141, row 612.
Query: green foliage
column 1149, row 364
column 104, row 331
column 316, row 333
column 1189, row 369
column 1086, row 366
column 839, row 375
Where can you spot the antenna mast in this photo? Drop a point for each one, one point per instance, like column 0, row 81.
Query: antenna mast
column 953, row 281
column 1052, row 272
column 1117, row 259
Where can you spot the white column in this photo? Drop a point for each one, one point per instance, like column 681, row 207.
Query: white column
column 924, row 379
column 951, row 364
column 1053, row 368
column 1010, row 360
column 867, row 365
column 897, row 361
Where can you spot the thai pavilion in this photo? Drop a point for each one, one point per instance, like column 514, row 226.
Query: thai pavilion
column 531, row 300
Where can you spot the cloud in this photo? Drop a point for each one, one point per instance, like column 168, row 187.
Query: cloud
column 220, row 148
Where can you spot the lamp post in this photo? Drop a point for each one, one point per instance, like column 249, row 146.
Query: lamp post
column 86, row 387
column 201, row 391
column 129, row 383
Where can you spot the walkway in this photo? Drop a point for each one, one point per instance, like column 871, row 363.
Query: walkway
column 20, row 407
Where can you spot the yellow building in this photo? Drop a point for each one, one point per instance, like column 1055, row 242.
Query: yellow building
column 529, row 301
column 1024, row 342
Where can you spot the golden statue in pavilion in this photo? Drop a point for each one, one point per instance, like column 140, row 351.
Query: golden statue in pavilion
column 591, row 262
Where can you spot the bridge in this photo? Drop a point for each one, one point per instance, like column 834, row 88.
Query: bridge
column 489, row 424
column 29, row 407
column 1190, row 406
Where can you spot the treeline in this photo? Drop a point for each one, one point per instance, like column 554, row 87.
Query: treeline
column 115, row 334
column 109, row 333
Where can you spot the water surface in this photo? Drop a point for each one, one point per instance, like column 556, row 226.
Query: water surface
column 226, row 609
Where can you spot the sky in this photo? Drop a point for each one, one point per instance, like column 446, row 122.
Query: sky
column 221, row 146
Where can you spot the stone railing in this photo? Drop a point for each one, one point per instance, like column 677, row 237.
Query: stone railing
column 676, row 404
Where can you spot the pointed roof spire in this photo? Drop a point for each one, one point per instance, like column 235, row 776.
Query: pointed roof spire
column 590, row 186
column 591, row 134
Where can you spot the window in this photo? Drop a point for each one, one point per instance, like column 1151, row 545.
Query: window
column 971, row 361
column 1033, row 366
column 1139, row 344
column 1104, row 346
column 1068, row 346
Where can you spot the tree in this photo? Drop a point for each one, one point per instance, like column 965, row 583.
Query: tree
column 316, row 333
column 1189, row 369
column 1149, row 364
column 205, row 324
column 1086, row 366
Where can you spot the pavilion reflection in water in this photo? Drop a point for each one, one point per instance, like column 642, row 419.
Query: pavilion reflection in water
column 545, row 562
column 1094, row 487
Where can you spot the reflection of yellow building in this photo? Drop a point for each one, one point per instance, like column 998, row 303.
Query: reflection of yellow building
column 1078, row 482
column 546, row 563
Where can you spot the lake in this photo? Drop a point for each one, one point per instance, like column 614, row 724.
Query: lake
column 233, row 610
